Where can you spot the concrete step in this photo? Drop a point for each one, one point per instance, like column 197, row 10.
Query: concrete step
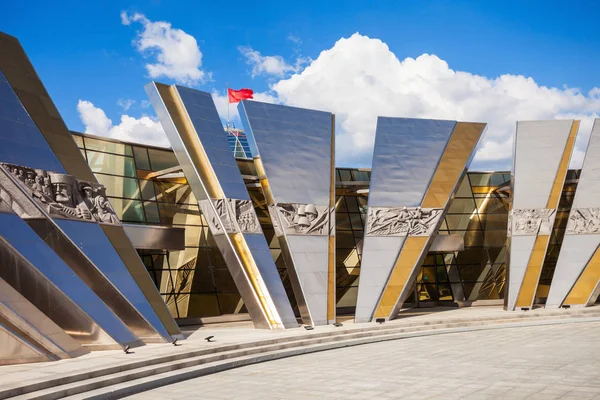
column 97, row 380
column 149, row 382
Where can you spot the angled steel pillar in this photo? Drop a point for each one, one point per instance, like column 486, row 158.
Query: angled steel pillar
column 541, row 154
column 294, row 149
column 576, row 278
column 22, row 318
column 190, row 119
column 417, row 167
column 36, row 137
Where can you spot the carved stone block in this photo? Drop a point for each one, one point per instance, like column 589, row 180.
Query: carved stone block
column 63, row 196
column 230, row 216
column 402, row 221
column 300, row 219
column 583, row 221
column 532, row 221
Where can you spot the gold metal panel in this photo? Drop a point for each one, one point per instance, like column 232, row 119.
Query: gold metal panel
column 559, row 180
column 452, row 164
column 532, row 275
column 331, row 284
column 408, row 258
column 585, row 285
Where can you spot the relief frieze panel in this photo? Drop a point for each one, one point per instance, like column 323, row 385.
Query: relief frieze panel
column 230, row 216
column 583, row 221
column 64, row 196
column 531, row 221
column 300, row 219
column 402, row 221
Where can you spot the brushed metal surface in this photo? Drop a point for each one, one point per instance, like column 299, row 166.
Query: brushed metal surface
column 518, row 259
column 16, row 350
column 295, row 150
column 39, row 275
column 22, row 142
column 24, row 316
column 378, row 257
column 150, row 237
column 92, row 241
column 539, row 147
column 575, row 253
column 406, row 154
column 294, row 145
column 199, row 108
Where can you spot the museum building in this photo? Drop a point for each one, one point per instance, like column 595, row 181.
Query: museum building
column 107, row 244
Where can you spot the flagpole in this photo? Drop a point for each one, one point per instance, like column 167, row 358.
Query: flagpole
column 227, row 84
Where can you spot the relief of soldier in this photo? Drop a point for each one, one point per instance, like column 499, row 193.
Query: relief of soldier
column 63, row 196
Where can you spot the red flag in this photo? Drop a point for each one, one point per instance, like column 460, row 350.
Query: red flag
column 239, row 95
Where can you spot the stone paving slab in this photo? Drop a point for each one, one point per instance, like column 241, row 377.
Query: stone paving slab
column 236, row 334
column 535, row 362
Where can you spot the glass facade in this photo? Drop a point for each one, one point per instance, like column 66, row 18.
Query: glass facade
column 238, row 142
column 195, row 282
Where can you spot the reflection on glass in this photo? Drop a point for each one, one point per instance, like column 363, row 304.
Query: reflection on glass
column 111, row 164
column 108, row 147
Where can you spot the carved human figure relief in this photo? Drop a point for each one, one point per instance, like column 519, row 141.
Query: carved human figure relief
column 63, row 196
column 402, row 221
column 532, row 221
column 583, row 221
column 302, row 219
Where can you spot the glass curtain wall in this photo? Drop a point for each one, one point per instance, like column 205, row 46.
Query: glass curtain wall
column 194, row 282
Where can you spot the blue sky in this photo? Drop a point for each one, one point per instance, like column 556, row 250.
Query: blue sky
column 83, row 51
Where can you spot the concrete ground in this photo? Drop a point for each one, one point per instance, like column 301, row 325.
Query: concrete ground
column 535, row 362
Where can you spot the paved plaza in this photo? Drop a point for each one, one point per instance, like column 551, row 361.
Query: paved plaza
column 539, row 362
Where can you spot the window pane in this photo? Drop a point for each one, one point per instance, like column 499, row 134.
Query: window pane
column 119, row 187
column 79, row 140
column 173, row 193
column 462, row 222
column 161, row 159
column 110, row 147
column 147, row 188
column 175, row 214
column 128, row 210
column 151, row 210
column 462, row 206
column 141, row 158
column 111, row 164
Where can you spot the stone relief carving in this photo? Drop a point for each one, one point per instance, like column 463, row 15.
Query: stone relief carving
column 402, row 221
column 532, row 221
column 300, row 219
column 63, row 196
column 583, row 220
column 232, row 216
column 245, row 216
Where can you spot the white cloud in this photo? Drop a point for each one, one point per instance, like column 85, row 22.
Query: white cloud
column 145, row 130
column 177, row 54
column 274, row 66
column 125, row 104
column 359, row 78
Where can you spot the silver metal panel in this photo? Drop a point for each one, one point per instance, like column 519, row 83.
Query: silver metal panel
column 22, row 142
column 588, row 187
column 311, row 261
column 16, row 350
column 92, row 240
column 575, row 253
column 264, row 262
column 207, row 124
column 520, row 252
column 378, row 258
column 539, row 146
column 24, row 316
column 35, row 271
column 448, row 243
column 149, row 237
column 202, row 112
column 406, row 154
column 294, row 145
